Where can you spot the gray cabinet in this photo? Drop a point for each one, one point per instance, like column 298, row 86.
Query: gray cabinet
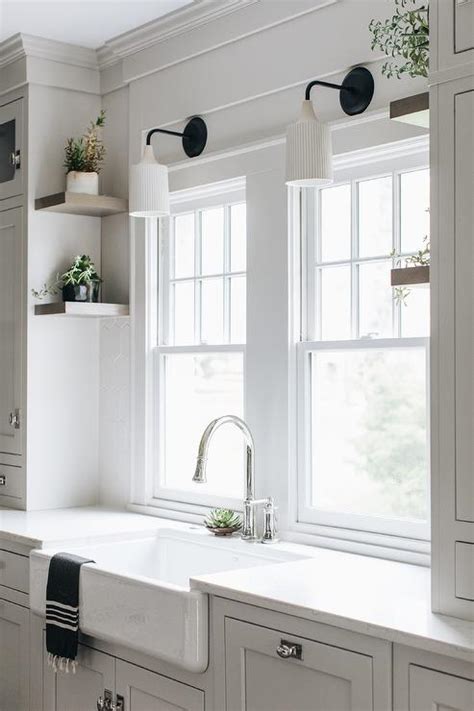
column 143, row 690
column 14, row 652
column 100, row 675
column 11, row 299
column 11, row 133
column 452, row 312
column 435, row 691
column 94, row 678
column 320, row 678
column 451, row 34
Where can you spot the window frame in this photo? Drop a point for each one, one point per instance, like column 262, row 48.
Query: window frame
column 226, row 193
column 304, row 518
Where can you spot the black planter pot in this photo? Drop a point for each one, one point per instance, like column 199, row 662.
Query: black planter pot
column 82, row 292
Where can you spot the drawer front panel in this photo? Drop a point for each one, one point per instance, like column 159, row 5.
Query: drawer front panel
column 11, row 481
column 465, row 570
column 14, row 571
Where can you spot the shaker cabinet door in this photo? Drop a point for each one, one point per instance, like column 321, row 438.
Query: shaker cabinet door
column 320, row 678
column 94, row 679
column 434, row 691
column 14, row 651
column 11, row 130
column 143, row 690
column 11, row 244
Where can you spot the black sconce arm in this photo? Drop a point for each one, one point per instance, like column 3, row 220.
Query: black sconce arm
column 355, row 92
column 194, row 136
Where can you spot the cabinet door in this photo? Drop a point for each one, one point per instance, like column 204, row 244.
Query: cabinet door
column 11, row 130
column 94, row 678
column 143, row 690
column 10, row 328
column 434, row 691
column 14, row 651
column 326, row 678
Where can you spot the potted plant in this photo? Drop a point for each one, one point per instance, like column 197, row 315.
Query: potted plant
column 223, row 522
column 83, row 159
column 80, row 282
column 404, row 35
column 416, row 270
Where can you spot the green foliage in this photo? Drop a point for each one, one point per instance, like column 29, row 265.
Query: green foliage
column 405, row 35
column 86, row 154
column 223, row 518
column 81, row 271
column 420, row 259
column 393, row 449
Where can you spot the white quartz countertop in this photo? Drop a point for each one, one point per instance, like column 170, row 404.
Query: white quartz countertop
column 43, row 529
column 367, row 595
column 371, row 596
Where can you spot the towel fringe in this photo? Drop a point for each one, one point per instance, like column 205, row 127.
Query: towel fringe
column 61, row 663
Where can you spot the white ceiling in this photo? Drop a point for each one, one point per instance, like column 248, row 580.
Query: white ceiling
column 88, row 23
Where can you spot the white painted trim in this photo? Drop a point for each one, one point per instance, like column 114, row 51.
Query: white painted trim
column 211, row 190
column 24, row 45
column 383, row 152
column 173, row 24
column 188, row 19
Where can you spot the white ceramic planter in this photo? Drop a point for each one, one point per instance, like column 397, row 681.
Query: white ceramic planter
column 78, row 182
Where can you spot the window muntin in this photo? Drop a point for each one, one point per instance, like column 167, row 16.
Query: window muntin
column 363, row 459
column 201, row 357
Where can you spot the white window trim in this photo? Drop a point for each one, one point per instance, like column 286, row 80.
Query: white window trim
column 163, row 498
column 407, row 541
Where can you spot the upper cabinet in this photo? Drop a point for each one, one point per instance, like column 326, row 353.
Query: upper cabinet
column 11, row 299
column 452, row 313
column 451, row 33
column 11, row 133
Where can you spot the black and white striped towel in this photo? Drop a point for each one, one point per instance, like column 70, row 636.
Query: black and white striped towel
column 62, row 610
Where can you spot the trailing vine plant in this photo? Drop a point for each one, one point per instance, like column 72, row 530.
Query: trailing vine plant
column 419, row 259
column 404, row 36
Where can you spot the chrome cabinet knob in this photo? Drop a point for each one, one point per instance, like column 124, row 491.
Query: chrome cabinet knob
column 3, row 480
column 289, row 650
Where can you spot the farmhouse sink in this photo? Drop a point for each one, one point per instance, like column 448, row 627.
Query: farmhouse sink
column 138, row 591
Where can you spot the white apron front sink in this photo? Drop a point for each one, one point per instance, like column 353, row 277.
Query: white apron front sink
column 138, row 593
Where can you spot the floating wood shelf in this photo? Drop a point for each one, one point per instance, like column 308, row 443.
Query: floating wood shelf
column 82, row 309
column 410, row 276
column 412, row 109
column 82, row 204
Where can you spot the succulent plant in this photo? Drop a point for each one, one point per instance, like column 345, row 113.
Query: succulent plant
column 223, row 518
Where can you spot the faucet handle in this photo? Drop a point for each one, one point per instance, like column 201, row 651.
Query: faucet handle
column 270, row 522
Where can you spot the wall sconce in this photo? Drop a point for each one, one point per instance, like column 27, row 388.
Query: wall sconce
column 149, row 189
column 308, row 141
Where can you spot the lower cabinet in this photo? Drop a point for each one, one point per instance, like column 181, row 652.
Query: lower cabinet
column 14, row 652
column 431, row 690
column 94, row 679
column 104, row 682
column 143, row 690
column 313, row 677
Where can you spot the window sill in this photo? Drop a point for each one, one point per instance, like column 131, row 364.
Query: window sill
column 403, row 550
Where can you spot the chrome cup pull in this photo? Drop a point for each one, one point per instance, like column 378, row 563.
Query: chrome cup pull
column 289, row 650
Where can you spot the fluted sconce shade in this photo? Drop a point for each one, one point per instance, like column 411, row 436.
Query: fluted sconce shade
column 308, row 150
column 149, row 190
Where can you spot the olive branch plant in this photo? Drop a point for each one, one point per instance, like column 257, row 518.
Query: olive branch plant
column 419, row 259
column 405, row 35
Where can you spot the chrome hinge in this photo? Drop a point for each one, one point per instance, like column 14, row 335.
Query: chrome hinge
column 15, row 159
column 14, row 419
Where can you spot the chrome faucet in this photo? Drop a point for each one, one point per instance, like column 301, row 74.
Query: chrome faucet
column 249, row 528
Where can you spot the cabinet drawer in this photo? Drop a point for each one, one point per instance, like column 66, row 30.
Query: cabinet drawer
column 11, row 481
column 270, row 670
column 14, row 571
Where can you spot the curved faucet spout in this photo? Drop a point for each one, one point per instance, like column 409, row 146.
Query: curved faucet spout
column 200, row 473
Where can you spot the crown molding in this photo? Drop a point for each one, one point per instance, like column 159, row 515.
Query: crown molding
column 22, row 45
column 173, row 24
